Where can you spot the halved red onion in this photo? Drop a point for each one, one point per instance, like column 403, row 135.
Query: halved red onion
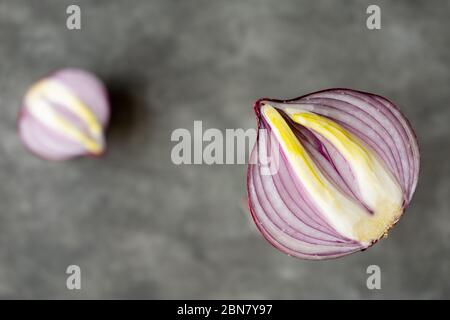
column 64, row 115
column 331, row 171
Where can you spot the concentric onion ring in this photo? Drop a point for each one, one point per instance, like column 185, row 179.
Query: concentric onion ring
column 347, row 165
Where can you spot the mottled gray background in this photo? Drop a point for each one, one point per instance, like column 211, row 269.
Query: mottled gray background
column 141, row 227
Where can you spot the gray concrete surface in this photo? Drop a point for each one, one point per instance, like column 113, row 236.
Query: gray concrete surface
column 141, row 227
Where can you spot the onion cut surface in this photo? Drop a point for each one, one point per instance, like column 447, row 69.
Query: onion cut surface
column 331, row 172
column 64, row 115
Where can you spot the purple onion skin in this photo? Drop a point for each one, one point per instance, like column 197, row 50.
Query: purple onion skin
column 86, row 87
column 408, row 192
